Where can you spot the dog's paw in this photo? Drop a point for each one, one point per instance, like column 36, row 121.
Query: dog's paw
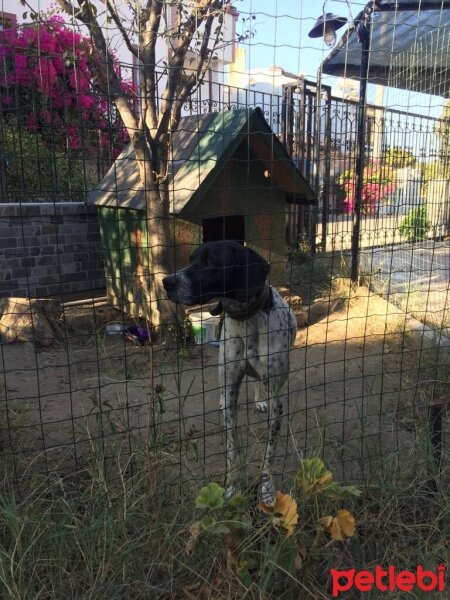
column 231, row 491
column 262, row 406
column 267, row 491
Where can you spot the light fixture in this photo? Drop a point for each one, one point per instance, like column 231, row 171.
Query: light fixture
column 326, row 27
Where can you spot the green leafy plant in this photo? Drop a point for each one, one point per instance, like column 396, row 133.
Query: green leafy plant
column 229, row 518
column 33, row 171
column 313, row 478
column 398, row 157
column 275, row 539
column 415, row 226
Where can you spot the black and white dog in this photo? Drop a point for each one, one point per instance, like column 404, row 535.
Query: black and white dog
column 257, row 334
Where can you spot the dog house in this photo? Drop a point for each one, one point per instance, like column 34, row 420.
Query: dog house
column 230, row 178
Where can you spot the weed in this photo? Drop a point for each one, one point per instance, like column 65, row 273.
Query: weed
column 271, row 546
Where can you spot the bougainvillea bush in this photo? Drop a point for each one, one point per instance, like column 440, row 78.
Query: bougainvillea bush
column 378, row 184
column 48, row 79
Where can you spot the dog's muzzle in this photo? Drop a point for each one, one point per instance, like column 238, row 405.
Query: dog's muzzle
column 170, row 285
column 178, row 288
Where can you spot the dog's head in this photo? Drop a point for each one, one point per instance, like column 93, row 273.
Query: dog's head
column 223, row 269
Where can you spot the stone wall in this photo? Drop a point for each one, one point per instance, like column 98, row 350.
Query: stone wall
column 49, row 249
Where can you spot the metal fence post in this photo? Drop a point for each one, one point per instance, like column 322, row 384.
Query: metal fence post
column 364, row 36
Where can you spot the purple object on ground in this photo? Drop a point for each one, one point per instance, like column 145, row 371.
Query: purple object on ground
column 138, row 334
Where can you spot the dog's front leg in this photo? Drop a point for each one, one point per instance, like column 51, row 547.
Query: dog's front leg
column 275, row 414
column 231, row 374
column 228, row 405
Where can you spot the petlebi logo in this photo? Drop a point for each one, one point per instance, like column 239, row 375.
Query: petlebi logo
column 389, row 579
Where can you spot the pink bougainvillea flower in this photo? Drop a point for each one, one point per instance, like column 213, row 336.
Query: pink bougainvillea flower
column 85, row 101
column 22, row 73
column 61, row 68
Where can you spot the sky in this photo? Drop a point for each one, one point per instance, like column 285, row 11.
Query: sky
column 281, row 32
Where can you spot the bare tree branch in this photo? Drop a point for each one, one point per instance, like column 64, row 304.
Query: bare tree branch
column 68, row 8
column 115, row 17
column 148, row 36
column 176, row 70
column 112, row 85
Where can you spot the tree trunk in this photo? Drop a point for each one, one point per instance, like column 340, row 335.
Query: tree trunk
column 161, row 244
column 163, row 313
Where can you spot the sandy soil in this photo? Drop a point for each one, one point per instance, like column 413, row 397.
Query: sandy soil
column 351, row 392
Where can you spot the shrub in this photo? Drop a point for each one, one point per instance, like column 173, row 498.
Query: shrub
column 378, row 183
column 47, row 84
column 399, row 158
column 415, row 225
column 33, row 172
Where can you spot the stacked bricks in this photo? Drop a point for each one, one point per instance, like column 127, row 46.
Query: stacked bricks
column 49, row 249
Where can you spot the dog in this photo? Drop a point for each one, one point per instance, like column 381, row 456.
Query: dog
column 257, row 333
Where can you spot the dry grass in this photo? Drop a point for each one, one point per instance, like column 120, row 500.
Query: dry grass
column 118, row 528
column 92, row 536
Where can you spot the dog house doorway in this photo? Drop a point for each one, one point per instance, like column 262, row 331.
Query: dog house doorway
column 229, row 227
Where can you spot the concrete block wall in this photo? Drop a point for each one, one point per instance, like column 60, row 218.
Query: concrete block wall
column 49, row 249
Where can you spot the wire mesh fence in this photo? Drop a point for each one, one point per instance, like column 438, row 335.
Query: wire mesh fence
column 102, row 376
column 64, row 251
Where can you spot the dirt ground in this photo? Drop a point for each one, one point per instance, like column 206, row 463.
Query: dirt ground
column 352, row 395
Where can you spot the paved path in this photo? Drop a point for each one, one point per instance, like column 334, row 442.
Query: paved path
column 421, row 268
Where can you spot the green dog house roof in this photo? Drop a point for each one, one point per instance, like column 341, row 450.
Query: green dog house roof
column 202, row 145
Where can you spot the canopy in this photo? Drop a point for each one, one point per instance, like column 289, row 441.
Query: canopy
column 410, row 47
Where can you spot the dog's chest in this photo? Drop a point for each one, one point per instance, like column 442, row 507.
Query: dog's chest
column 255, row 342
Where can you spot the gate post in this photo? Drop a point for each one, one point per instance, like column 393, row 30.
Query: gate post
column 363, row 30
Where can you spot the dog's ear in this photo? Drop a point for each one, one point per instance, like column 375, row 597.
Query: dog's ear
column 250, row 273
column 216, row 310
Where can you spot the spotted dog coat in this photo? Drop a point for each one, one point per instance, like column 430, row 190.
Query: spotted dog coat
column 257, row 333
